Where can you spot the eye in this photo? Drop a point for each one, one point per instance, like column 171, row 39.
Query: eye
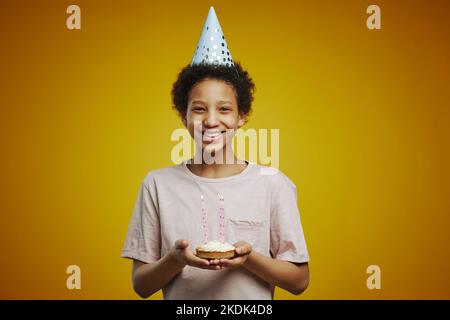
column 198, row 109
column 225, row 109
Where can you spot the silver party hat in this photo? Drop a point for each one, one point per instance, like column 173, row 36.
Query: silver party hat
column 212, row 47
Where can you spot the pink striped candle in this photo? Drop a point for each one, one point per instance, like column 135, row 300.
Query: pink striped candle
column 204, row 221
column 221, row 218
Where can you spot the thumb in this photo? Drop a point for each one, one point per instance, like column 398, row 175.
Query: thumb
column 181, row 244
column 244, row 249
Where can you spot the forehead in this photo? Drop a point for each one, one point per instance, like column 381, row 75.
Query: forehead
column 212, row 90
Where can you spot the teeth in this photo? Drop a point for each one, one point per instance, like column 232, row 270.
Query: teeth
column 212, row 134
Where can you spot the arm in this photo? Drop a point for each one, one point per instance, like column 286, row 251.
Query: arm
column 290, row 276
column 284, row 274
column 151, row 277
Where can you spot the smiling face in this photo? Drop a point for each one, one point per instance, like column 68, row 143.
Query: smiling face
column 212, row 110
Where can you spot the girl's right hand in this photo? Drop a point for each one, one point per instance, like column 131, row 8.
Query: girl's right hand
column 184, row 256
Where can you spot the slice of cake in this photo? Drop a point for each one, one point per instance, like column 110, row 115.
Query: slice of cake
column 215, row 250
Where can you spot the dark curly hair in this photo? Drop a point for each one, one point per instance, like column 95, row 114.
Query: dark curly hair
column 237, row 77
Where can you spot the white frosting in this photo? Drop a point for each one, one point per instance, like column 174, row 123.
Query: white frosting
column 215, row 246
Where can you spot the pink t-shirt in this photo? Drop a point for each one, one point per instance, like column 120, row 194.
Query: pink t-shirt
column 260, row 208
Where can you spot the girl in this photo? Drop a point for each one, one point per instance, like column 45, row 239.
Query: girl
column 259, row 211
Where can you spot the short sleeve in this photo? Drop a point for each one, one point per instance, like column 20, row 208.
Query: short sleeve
column 143, row 240
column 287, row 240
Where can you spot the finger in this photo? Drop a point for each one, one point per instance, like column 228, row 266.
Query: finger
column 229, row 263
column 199, row 261
column 193, row 256
column 210, row 267
column 243, row 250
column 214, row 261
column 214, row 267
column 181, row 244
column 226, row 264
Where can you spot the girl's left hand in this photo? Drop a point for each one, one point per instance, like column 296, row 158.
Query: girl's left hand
column 243, row 250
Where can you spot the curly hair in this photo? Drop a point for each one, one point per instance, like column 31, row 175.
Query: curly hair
column 237, row 77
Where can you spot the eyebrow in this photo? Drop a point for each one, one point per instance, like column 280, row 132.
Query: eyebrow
column 220, row 101
column 198, row 101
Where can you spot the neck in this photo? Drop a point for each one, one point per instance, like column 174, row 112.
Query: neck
column 230, row 166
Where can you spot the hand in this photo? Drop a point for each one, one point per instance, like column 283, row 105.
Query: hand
column 243, row 250
column 184, row 256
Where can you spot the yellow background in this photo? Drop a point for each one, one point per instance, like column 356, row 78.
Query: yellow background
column 364, row 133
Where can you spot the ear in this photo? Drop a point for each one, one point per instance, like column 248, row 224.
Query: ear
column 183, row 119
column 242, row 120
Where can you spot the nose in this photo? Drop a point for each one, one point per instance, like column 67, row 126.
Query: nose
column 211, row 119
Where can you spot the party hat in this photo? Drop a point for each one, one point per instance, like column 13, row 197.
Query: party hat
column 212, row 47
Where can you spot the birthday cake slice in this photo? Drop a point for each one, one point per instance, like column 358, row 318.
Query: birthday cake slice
column 215, row 250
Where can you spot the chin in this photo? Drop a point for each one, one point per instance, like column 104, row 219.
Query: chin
column 211, row 148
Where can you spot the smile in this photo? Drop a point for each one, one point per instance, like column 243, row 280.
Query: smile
column 212, row 135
